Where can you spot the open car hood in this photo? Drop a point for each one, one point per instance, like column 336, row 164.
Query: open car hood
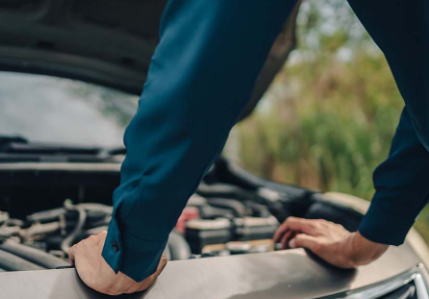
column 107, row 42
column 288, row 274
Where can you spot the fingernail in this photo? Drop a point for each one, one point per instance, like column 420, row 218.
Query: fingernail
column 292, row 244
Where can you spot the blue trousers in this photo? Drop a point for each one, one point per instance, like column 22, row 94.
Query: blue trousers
column 201, row 77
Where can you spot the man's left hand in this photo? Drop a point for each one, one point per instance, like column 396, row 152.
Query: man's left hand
column 330, row 241
column 97, row 274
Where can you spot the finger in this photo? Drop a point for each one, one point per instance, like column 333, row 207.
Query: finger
column 281, row 231
column 295, row 224
column 285, row 239
column 304, row 241
column 72, row 253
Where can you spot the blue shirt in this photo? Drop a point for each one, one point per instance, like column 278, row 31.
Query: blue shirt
column 201, row 76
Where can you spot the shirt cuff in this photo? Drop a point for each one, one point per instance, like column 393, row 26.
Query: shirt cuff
column 130, row 255
column 384, row 226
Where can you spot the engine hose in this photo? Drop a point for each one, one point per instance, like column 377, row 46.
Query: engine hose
column 33, row 255
column 68, row 241
column 46, row 216
column 223, row 190
column 97, row 207
column 178, row 247
column 10, row 262
column 4, row 234
column 41, row 229
column 258, row 210
column 236, row 206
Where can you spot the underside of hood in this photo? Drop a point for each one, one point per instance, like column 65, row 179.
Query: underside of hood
column 107, row 42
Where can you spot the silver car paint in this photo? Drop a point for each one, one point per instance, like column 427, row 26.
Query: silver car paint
column 285, row 274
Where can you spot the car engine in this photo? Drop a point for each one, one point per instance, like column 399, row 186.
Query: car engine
column 232, row 212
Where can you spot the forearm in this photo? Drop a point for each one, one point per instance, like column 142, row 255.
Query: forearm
column 200, row 78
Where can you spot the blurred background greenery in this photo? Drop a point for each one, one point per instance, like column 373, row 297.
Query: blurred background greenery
column 329, row 118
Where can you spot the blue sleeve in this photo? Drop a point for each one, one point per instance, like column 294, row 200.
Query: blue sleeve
column 402, row 188
column 200, row 78
column 401, row 30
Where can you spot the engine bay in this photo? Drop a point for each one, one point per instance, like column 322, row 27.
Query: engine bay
column 43, row 213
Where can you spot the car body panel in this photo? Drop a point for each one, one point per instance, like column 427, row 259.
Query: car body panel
column 288, row 274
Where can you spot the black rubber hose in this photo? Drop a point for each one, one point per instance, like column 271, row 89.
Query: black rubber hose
column 33, row 255
column 68, row 241
column 258, row 210
column 4, row 234
column 223, row 190
column 10, row 262
column 237, row 207
column 209, row 212
column 178, row 247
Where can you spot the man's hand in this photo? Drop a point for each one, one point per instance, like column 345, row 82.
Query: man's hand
column 97, row 274
column 330, row 241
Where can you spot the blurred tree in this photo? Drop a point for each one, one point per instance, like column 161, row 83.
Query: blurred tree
column 329, row 118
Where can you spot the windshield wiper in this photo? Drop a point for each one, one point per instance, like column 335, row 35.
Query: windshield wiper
column 18, row 148
column 5, row 140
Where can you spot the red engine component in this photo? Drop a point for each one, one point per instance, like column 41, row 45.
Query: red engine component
column 188, row 213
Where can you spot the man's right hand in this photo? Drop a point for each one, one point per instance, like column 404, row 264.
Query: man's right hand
column 97, row 274
column 330, row 241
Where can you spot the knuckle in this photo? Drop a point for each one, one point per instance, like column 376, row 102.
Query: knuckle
column 322, row 222
column 330, row 223
column 299, row 237
column 318, row 247
column 291, row 219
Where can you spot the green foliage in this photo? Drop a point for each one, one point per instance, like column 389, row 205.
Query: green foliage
column 329, row 118
column 330, row 129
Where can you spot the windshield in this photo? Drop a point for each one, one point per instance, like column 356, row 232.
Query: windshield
column 55, row 110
